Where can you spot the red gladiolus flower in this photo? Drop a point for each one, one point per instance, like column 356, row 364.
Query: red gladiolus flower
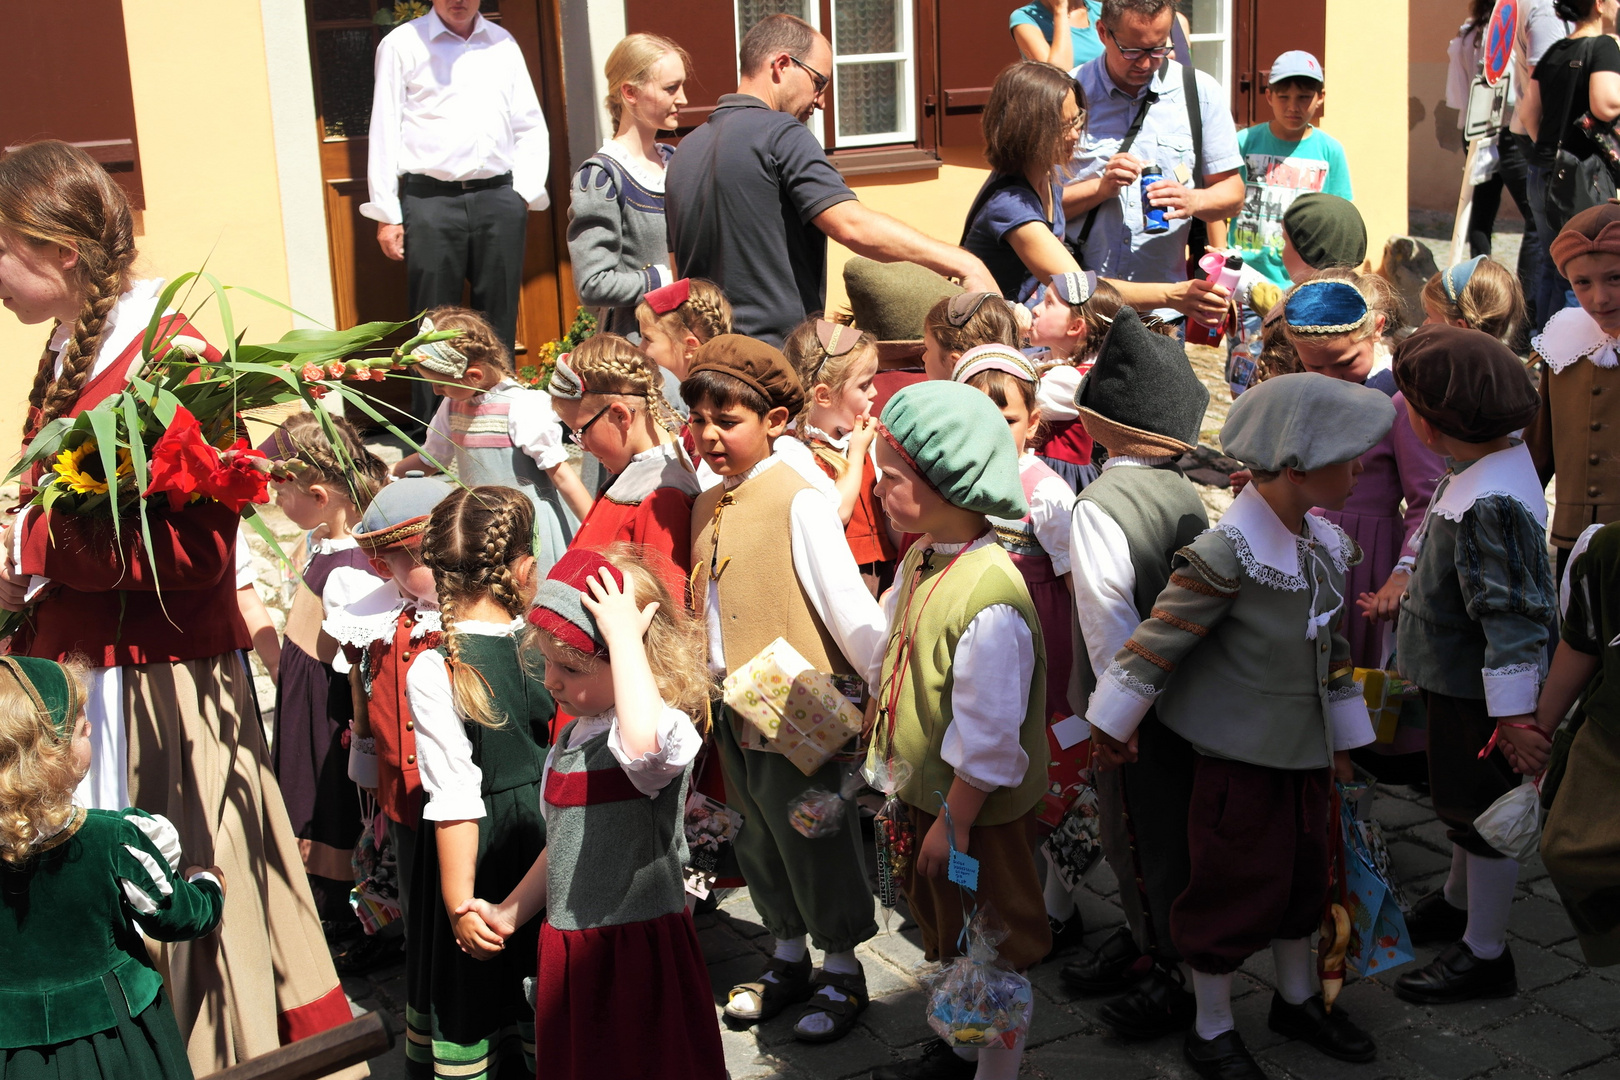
column 335, row 369
column 182, row 460
column 236, row 481
column 312, row 373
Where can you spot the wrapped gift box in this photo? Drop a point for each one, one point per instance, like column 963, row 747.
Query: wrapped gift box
column 1385, row 693
column 790, row 708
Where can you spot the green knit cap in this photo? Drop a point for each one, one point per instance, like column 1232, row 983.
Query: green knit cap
column 955, row 438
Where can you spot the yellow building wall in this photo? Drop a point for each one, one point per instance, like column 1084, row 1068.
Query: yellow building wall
column 1366, row 60
column 202, row 117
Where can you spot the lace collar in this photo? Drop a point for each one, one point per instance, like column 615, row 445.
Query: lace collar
column 1572, row 334
column 1509, row 472
column 653, row 182
column 1272, row 555
column 1117, row 461
column 587, row 728
column 371, row 618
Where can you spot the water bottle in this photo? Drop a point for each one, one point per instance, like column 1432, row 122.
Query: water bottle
column 1153, row 219
column 1222, row 270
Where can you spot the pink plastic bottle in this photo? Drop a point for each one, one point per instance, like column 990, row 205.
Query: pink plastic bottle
column 1222, row 270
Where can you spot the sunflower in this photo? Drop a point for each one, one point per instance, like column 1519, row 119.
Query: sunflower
column 80, row 470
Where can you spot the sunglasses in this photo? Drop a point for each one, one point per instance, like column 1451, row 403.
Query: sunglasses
column 817, row 78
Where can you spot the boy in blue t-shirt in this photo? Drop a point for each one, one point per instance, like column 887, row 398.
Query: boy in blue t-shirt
column 1284, row 159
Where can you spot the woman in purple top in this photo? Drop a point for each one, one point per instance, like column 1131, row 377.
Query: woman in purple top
column 1032, row 124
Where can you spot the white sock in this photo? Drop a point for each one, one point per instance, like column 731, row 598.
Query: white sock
column 999, row 1062
column 841, row 963
column 1214, row 993
column 1059, row 901
column 1292, row 959
column 1490, row 892
column 1456, row 890
column 791, row 949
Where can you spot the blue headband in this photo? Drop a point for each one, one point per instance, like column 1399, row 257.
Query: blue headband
column 1455, row 279
column 1075, row 286
column 1325, row 307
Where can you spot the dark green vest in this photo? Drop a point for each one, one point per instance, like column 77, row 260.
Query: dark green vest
column 1160, row 513
column 513, row 754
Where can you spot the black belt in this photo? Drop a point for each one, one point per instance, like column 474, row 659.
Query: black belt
column 418, row 184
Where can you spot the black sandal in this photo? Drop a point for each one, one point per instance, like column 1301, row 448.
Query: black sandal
column 842, row 1013
column 792, row 984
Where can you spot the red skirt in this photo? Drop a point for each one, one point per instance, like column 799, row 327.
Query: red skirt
column 626, row 1001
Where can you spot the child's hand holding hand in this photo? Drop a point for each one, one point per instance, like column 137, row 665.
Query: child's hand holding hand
column 617, row 617
column 1385, row 604
column 1109, row 751
column 474, row 932
column 1523, row 743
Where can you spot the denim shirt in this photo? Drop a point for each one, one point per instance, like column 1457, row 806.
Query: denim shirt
column 1476, row 617
column 1117, row 246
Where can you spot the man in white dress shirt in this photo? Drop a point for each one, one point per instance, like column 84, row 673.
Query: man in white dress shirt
column 459, row 156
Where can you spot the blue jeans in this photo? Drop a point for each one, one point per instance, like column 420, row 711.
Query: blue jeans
column 1553, row 293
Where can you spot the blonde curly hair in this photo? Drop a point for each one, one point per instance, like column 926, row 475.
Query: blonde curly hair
column 37, row 772
column 677, row 643
column 474, row 538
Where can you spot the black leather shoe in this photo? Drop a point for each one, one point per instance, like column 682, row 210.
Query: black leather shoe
column 1117, row 965
column 1333, row 1033
column 1435, row 921
column 1458, row 975
column 1222, row 1058
column 1066, row 934
column 938, row 1062
column 1157, row 1006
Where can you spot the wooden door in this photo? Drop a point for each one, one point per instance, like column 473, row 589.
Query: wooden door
column 366, row 285
column 1262, row 30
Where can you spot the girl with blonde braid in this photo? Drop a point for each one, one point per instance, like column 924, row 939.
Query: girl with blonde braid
column 675, row 319
column 609, row 396
column 325, row 494
column 482, row 719
column 168, row 688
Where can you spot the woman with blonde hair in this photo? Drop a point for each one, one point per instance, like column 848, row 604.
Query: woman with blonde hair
column 616, row 233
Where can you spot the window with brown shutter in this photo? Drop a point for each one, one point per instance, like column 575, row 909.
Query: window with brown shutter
column 71, row 82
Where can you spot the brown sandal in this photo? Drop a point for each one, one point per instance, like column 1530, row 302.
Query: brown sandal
column 842, row 1013
column 791, row 985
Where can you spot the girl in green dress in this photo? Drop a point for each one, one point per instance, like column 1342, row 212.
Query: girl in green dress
column 80, row 997
column 482, row 719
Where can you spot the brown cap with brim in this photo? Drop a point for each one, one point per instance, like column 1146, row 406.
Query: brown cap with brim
column 754, row 362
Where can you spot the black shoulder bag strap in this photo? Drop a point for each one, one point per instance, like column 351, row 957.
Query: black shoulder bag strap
column 1148, row 100
column 1198, row 233
column 1579, row 64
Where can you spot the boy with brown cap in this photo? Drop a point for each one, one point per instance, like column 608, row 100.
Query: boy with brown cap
column 751, row 587
column 1472, row 635
column 1576, row 432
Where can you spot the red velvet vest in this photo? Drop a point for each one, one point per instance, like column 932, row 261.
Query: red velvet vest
column 399, row 788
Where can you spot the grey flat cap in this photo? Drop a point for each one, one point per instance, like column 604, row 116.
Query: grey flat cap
column 1305, row 421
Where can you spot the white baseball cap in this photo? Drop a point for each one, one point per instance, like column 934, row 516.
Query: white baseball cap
column 1295, row 64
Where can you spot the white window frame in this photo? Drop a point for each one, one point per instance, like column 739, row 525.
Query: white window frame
column 906, row 87
column 810, row 12
column 1224, row 36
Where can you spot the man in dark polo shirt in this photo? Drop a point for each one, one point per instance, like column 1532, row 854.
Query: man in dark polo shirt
column 751, row 197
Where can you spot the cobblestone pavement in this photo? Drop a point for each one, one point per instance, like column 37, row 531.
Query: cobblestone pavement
column 1565, row 1020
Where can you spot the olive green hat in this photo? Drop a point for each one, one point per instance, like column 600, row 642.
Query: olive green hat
column 890, row 302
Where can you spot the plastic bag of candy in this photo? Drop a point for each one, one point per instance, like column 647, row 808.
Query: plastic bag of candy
column 896, row 840
column 976, row 999
column 818, row 812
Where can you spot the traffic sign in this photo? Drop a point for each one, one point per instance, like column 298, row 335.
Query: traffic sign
column 1501, row 31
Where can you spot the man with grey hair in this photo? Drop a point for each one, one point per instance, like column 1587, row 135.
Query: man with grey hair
column 751, row 197
column 1138, row 116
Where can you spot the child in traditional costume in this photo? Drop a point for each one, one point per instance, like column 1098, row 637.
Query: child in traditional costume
column 1145, row 406
column 769, row 561
column 483, row 721
column 382, row 635
column 1240, row 658
column 1481, row 294
column 1069, row 324
column 81, row 888
column 957, row 323
column 618, row 950
column 837, row 365
column 493, row 430
column 1473, row 630
column 962, row 698
column 324, row 490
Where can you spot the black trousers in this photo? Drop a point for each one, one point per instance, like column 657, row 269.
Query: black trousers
column 455, row 238
column 1512, row 173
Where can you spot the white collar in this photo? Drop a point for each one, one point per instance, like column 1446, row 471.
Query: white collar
column 328, row 546
column 972, row 545
column 1116, row 461
column 587, row 728
column 436, row 27
column 128, row 319
column 371, row 618
column 813, row 432
column 653, row 182
column 488, row 629
column 731, row 482
column 1509, row 472
column 1270, row 553
column 1572, row 334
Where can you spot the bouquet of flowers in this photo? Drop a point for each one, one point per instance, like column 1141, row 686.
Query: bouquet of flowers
column 176, row 431
column 538, row 374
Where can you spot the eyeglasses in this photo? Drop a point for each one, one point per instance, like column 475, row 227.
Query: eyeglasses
column 578, row 437
column 1077, row 125
column 816, row 77
column 1133, row 55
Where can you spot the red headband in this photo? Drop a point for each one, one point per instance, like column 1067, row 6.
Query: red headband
column 666, row 299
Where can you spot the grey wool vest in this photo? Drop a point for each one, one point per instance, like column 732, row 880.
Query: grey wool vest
column 637, row 845
column 1160, row 513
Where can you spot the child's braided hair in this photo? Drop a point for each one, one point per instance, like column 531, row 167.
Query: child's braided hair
column 473, row 538
column 361, row 474
column 706, row 313
column 476, row 338
column 54, row 193
column 609, row 365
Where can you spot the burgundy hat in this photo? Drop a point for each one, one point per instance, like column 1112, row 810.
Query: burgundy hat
column 559, row 604
column 667, row 298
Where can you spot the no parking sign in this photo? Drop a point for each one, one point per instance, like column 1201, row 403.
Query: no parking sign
column 1502, row 29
